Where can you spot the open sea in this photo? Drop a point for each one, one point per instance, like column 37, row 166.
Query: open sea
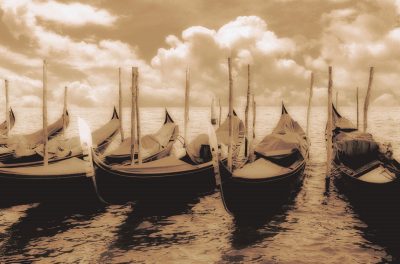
column 313, row 228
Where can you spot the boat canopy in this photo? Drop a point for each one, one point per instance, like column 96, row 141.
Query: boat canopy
column 60, row 147
column 223, row 131
column 64, row 168
column 195, row 148
column 340, row 122
column 150, row 144
column 4, row 125
column 23, row 145
column 354, row 148
column 286, row 138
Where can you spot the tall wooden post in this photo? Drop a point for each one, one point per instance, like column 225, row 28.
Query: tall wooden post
column 309, row 105
column 358, row 110
column 138, row 140
column 367, row 97
column 254, row 117
column 65, row 109
column 121, row 130
column 337, row 100
column 220, row 112
column 230, row 116
column 133, row 114
column 329, row 126
column 8, row 121
column 186, row 113
column 44, row 114
column 246, row 117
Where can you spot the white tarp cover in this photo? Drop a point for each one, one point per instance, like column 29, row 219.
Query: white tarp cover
column 223, row 131
column 260, row 169
column 60, row 168
column 340, row 121
column 151, row 144
column 194, row 147
column 61, row 147
column 164, row 165
column 23, row 145
column 286, row 138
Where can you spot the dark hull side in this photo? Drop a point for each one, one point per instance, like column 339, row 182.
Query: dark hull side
column 369, row 196
column 250, row 198
column 73, row 188
column 114, row 187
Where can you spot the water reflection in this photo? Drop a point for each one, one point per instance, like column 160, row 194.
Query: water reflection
column 149, row 219
column 44, row 221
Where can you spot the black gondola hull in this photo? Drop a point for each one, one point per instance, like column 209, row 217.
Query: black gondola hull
column 249, row 198
column 72, row 188
column 369, row 196
column 115, row 187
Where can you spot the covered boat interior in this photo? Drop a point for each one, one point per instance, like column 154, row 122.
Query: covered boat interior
column 279, row 153
column 151, row 145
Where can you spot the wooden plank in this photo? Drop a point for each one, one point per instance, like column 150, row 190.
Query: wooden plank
column 121, row 130
column 246, row 112
column 44, row 115
column 186, row 113
column 8, row 121
column 309, row 105
column 133, row 114
column 65, row 109
column 358, row 122
column 138, row 128
column 329, row 126
column 230, row 117
column 367, row 98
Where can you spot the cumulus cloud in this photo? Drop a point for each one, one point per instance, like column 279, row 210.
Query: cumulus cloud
column 86, row 59
column 248, row 41
column 72, row 14
column 352, row 38
column 356, row 38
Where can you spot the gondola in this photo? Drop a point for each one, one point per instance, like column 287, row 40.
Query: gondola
column 155, row 146
column 264, row 182
column 4, row 126
column 366, row 171
column 61, row 148
column 21, row 148
column 64, row 177
column 168, row 175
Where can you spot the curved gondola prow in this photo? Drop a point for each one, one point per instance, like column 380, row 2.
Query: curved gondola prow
column 12, row 118
column 284, row 111
column 65, row 120
column 103, row 145
column 115, row 114
column 335, row 112
column 168, row 118
column 224, row 174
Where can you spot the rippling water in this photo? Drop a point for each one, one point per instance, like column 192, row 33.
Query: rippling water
column 313, row 228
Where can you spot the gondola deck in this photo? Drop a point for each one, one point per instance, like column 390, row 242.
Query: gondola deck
column 375, row 183
column 264, row 184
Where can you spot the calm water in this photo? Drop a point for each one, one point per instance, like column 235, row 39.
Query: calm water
column 314, row 228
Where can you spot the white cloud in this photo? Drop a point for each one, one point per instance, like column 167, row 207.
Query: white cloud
column 74, row 14
column 352, row 39
column 249, row 41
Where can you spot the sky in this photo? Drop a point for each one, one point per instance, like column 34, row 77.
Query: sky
column 283, row 41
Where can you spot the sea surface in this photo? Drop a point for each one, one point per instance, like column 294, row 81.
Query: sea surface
column 316, row 227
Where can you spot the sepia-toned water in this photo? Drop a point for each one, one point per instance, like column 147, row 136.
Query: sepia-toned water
column 313, row 228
